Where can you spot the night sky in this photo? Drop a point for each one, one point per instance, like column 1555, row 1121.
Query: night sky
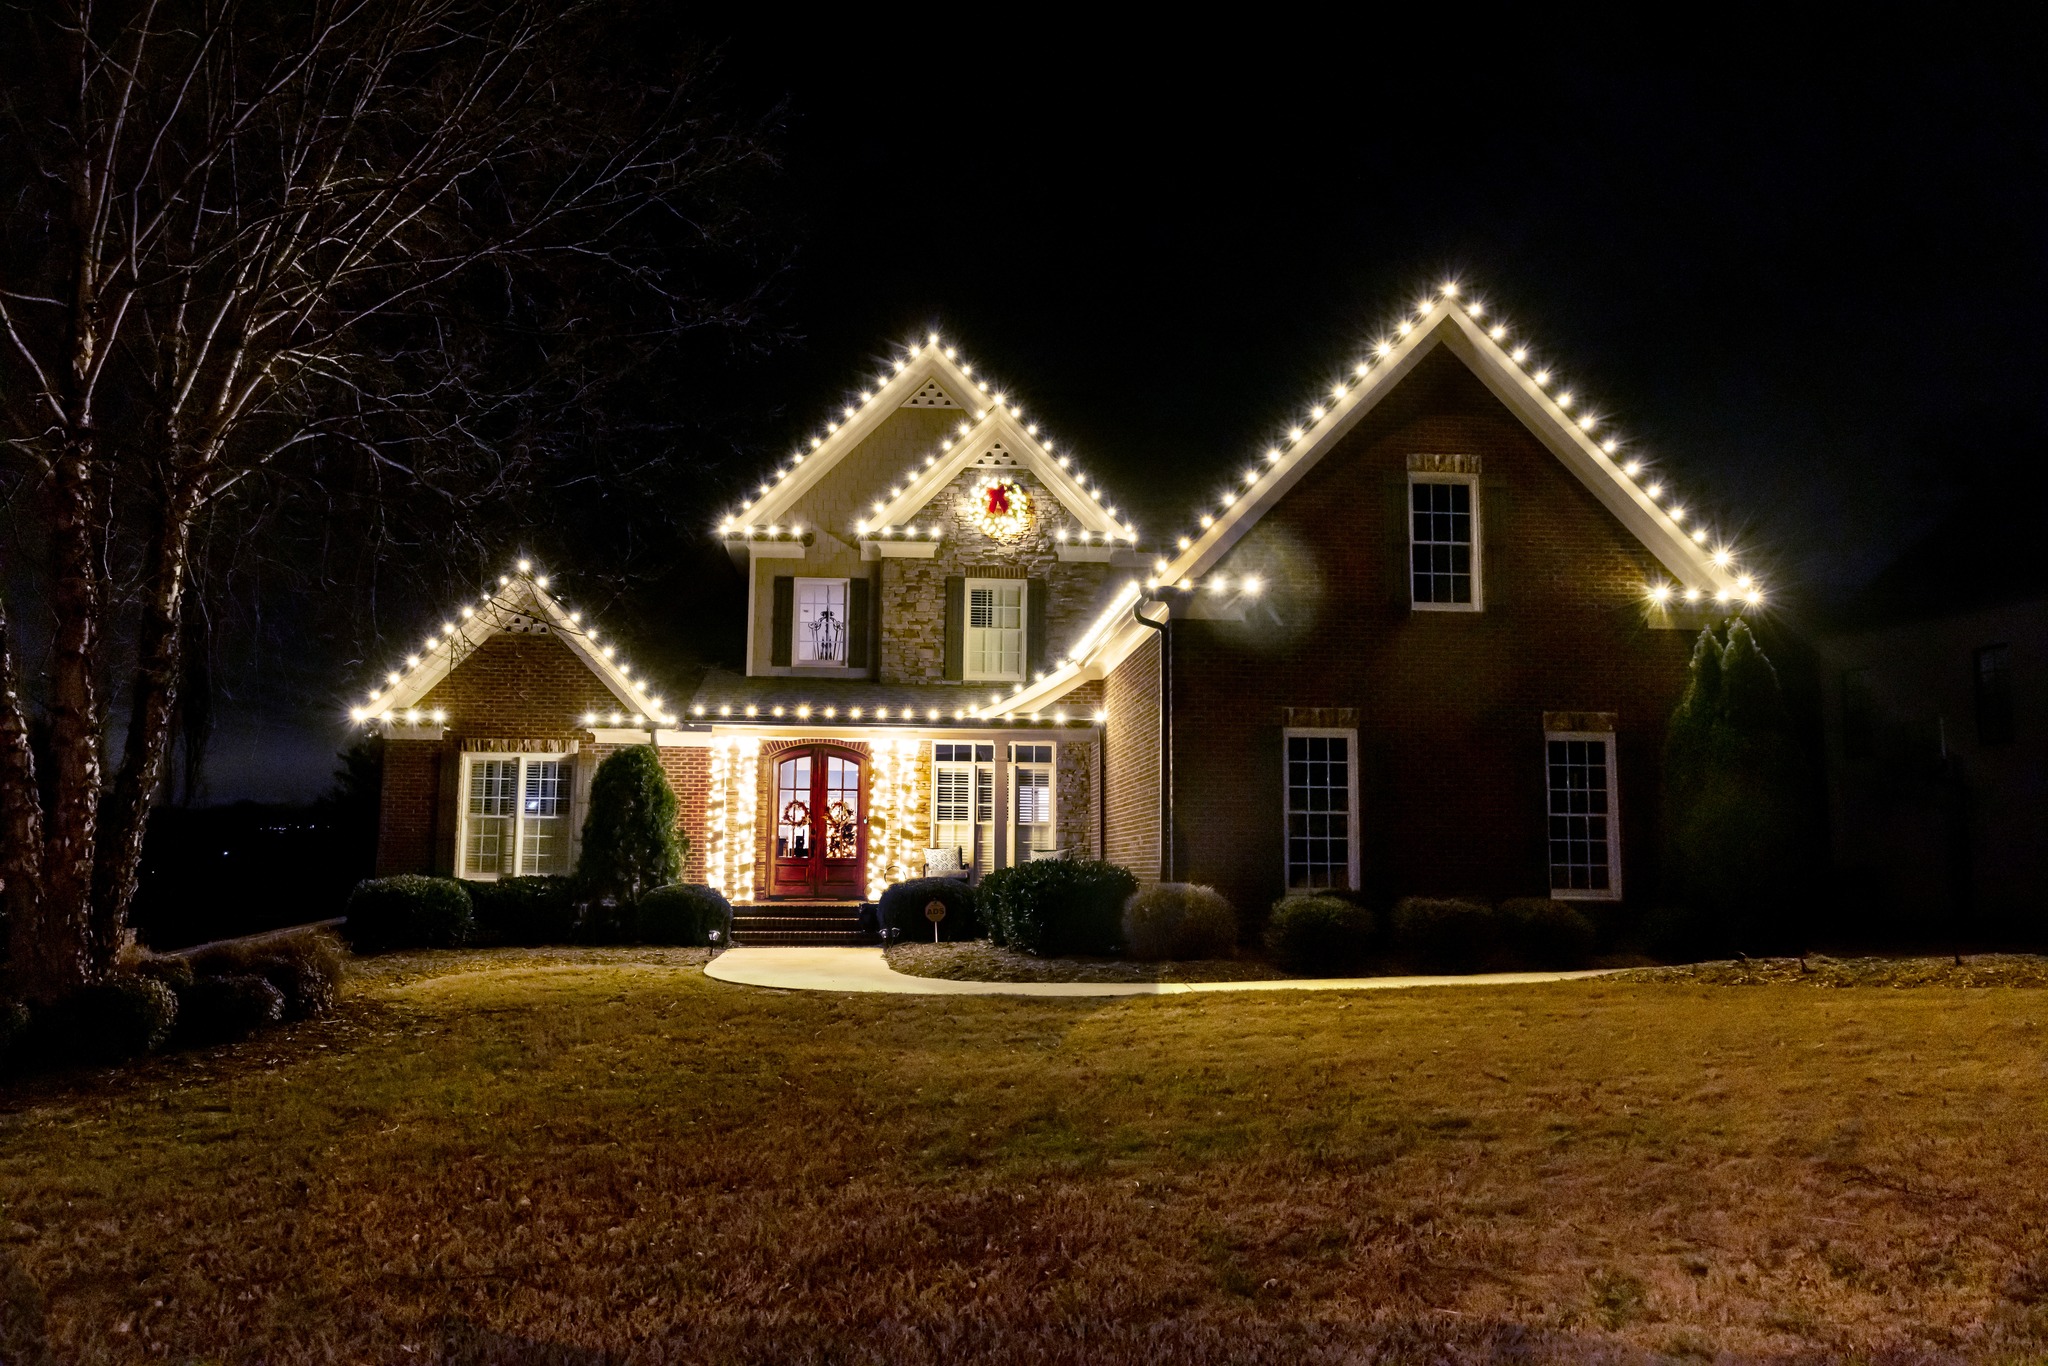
column 1816, row 297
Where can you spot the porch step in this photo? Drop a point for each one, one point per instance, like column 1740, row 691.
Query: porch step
column 799, row 922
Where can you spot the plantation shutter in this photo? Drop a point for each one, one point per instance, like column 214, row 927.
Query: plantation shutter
column 1034, row 627
column 857, row 624
column 784, row 621
column 956, row 626
column 1399, row 559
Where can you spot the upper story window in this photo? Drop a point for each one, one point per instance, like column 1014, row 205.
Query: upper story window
column 515, row 815
column 1443, row 542
column 994, row 645
column 1994, row 695
column 821, row 623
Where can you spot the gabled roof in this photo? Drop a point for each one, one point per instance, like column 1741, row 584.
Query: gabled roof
column 924, row 375
column 520, row 600
column 1702, row 567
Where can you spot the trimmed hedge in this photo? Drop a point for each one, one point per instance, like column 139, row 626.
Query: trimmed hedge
column 223, row 1009
column 525, row 911
column 408, row 912
column 681, row 913
column 1549, row 934
column 900, row 914
column 108, row 1022
column 1445, row 935
column 1180, row 921
column 1053, row 907
column 1321, row 936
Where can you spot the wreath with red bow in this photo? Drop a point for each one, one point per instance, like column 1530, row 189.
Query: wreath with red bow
column 1002, row 508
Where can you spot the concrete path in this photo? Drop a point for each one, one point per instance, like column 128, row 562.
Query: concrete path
column 851, row 969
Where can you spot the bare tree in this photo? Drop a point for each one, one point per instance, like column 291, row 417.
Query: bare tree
column 247, row 248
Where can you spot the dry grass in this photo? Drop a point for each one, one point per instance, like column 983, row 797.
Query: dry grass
column 977, row 960
column 601, row 1156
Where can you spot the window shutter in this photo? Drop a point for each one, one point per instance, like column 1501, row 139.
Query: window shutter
column 448, row 798
column 856, row 623
column 1400, row 563
column 1034, row 627
column 784, row 625
column 1496, row 510
column 956, row 626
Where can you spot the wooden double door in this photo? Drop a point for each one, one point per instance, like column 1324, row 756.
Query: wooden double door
column 821, row 827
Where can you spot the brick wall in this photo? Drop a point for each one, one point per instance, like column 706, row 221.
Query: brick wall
column 1074, row 802
column 1450, row 733
column 689, row 773
column 519, row 686
column 913, row 592
column 1130, row 763
column 405, row 820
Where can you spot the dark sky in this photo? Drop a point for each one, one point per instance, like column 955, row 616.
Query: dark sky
column 1817, row 296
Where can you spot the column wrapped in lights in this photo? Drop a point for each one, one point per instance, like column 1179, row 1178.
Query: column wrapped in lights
column 882, row 811
column 717, row 854
column 747, row 798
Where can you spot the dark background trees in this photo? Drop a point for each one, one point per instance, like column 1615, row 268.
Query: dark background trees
column 299, row 301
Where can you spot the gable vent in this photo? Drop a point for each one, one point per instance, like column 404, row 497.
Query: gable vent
column 527, row 625
column 997, row 455
column 931, row 396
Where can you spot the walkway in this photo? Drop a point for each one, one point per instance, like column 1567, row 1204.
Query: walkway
column 857, row 969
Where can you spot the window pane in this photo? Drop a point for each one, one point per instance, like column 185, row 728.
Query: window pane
column 1581, row 847
column 1441, row 538
column 1318, row 812
column 820, row 621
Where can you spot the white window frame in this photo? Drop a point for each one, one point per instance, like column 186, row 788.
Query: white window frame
column 521, row 823
column 981, row 796
column 1051, row 768
column 968, row 630
column 1471, row 481
column 1350, row 736
column 796, row 625
column 1612, row 891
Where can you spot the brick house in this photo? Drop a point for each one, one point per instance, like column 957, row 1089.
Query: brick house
column 1426, row 645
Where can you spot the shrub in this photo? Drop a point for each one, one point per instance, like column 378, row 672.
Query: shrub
column 109, row 1022
column 1179, row 921
column 525, row 910
column 683, row 914
column 1445, row 935
column 14, row 1027
column 607, row 920
column 1321, row 936
column 408, row 912
column 174, row 973
column 630, row 840
column 222, row 1009
column 1058, row 906
column 900, row 914
column 1549, row 934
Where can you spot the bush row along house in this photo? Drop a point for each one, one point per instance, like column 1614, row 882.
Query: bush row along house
column 1427, row 643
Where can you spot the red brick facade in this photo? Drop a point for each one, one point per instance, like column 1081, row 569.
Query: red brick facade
column 1130, row 764
column 1450, row 704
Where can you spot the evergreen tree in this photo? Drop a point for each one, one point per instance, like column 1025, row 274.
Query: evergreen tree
column 630, row 841
column 1733, row 824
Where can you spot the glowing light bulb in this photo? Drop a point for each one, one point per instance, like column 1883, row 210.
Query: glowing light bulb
column 1361, row 369
column 1183, row 545
column 1498, row 333
column 525, row 565
column 1661, row 592
column 1207, row 521
column 1316, row 413
column 1450, row 289
column 1609, row 445
column 1721, row 558
column 1336, row 391
column 1294, row 433
column 1384, row 348
column 412, row 661
column 1520, row 354
column 1405, row 328
column 1632, row 468
column 1564, row 400
column 1273, row 454
column 1700, row 535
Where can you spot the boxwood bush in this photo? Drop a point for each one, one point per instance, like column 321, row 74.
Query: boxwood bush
column 1321, row 936
column 223, row 1009
column 525, row 911
column 681, row 913
column 1058, row 906
column 408, row 912
column 107, row 1022
column 306, row 967
column 900, row 913
column 1180, row 921
column 1549, row 934
column 1446, row 935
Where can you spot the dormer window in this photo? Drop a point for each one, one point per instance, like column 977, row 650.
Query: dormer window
column 821, row 624
column 995, row 630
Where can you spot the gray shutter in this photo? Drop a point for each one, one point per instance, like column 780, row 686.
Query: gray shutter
column 784, row 621
column 1400, row 559
column 956, row 626
column 1496, row 510
column 857, row 623
column 447, row 810
column 1034, row 627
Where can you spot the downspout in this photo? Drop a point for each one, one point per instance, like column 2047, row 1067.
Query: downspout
column 1165, row 728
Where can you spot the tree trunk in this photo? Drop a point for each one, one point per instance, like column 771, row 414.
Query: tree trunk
column 21, row 819
column 124, row 819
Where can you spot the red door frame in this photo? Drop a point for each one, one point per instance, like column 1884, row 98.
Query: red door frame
column 815, row 876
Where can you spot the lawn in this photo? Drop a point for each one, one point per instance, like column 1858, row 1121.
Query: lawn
column 585, row 1156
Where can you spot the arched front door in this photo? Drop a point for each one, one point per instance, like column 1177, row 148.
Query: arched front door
column 821, row 827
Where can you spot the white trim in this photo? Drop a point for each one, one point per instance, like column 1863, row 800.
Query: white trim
column 1612, row 892
column 1470, row 481
column 1073, row 552
column 823, row 668
column 622, row 735
column 1349, row 735
column 775, row 550
column 998, row 426
column 872, row 549
column 1052, row 789
column 566, row 761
